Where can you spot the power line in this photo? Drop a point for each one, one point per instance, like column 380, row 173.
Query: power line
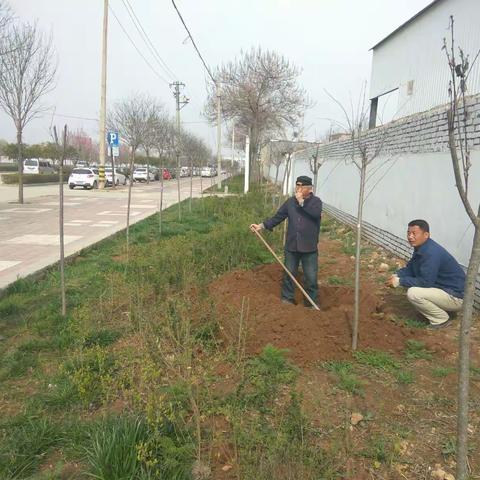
column 193, row 42
column 137, row 49
column 138, row 25
column 78, row 117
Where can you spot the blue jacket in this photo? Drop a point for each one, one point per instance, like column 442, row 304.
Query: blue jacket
column 303, row 223
column 432, row 266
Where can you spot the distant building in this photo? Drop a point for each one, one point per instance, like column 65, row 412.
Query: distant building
column 409, row 68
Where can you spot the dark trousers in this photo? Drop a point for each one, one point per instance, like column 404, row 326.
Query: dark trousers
column 310, row 270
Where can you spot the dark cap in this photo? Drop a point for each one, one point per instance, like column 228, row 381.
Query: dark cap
column 304, row 180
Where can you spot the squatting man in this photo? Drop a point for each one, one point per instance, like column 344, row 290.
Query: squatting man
column 434, row 279
column 304, row 212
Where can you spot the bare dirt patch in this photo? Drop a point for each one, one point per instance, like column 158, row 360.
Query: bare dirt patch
column 309, row 335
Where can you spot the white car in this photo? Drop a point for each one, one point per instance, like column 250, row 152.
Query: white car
column 120, row 178
column 140, row 175
column 34, row 165
column 83, row 177
column 208, row 172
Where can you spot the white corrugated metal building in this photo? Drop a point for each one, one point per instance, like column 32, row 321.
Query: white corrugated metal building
column 409, row 65
column 417, row 181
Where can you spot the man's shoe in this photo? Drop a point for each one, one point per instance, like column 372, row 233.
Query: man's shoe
column 291, row 302
column 438, row 326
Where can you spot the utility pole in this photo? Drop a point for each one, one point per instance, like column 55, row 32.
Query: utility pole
column 246, row 183
column 103, row 99
column 179, row 104
column 219, row 139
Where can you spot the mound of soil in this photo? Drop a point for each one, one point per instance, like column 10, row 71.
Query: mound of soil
column 309, row 335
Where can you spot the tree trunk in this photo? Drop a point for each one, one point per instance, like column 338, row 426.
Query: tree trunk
column 20, row 164
column 132, row 161
column 363, row 172
column 191, row 186
column 147, row 151
column 315, row 178
column 464, row 359
column 162, row 166
column 276, row 173
column 178, row 188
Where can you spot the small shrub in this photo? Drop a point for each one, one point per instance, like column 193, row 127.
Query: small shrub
column 23, row 447
column 263, row 377
column 91, row 374
column 347, row 380
column 380, row 450
column 101, row 338
column 441, row 372
column 17, row 363
column 111, row 449
column 416, row 350
column 377, row 359
column 336, row 280
column 405, row 377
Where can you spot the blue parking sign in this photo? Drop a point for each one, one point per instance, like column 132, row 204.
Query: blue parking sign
column 113, row 139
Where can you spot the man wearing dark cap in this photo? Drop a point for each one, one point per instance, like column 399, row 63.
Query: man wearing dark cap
column 304, row 212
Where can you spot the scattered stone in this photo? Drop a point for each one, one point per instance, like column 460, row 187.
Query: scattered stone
column 440, row 474
column 356, row 418
column 226, row 468
column 2, row 338
column 384, row 267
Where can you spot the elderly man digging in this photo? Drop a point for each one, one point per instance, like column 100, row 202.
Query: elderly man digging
column 304, row 211
column 434, row 279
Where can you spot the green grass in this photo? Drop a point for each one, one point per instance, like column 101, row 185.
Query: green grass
column 78, row 367
column 111, row 449
column 336, row 280
column 441, row 372
column 414, row 323
column 23, row 447
column 235, row 185
column 416, row 350
column 379, row 449
column 377, row 359
column 405, row 377
column 346, row 378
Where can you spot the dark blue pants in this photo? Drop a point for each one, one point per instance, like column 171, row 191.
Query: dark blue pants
column 310, row 271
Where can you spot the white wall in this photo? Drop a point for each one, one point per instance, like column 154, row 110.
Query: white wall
column 413, row 186
column 414, row 53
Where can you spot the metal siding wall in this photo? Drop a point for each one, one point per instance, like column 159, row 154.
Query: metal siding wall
column 415, row 53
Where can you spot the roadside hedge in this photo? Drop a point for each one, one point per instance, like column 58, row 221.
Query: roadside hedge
column 12, row 178
column 8, row 167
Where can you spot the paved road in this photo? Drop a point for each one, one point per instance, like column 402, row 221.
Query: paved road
column 29, row 232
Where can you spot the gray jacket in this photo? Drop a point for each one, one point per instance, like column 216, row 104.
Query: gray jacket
column 303, row 223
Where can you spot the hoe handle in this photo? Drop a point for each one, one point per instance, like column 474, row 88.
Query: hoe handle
column 307, row 296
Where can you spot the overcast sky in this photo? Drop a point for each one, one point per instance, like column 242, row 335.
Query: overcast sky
column 328, row 39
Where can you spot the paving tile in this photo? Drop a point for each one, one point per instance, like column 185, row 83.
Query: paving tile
column 42, row 239
column 4, row 264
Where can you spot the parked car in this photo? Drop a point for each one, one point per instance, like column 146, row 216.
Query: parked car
column 83, row 177
column 141, row 174
column 81, row 163
column 34, row 165
column 156, row 172
column 208, row 172
column 184, row 171
column 120, row 178
column 166, row 174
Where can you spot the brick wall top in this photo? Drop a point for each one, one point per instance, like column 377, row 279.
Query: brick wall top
column 424, row 132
